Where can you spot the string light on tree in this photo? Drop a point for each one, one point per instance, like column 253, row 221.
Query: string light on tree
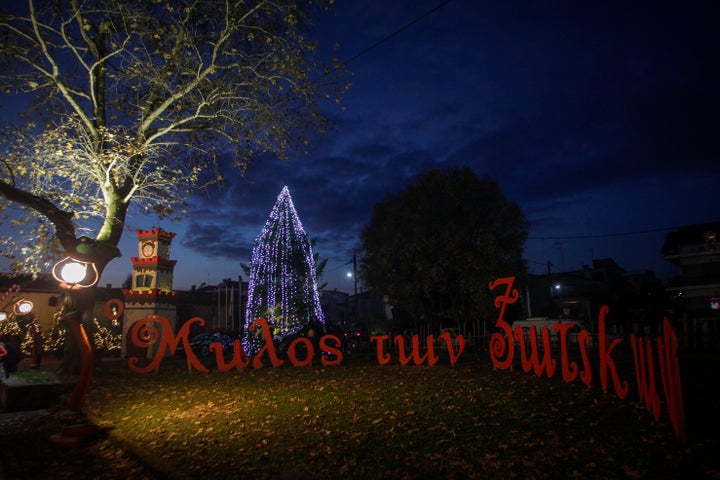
column 282, row 285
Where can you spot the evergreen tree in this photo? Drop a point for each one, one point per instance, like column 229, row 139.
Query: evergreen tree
column 433, row 248
column 282, row 286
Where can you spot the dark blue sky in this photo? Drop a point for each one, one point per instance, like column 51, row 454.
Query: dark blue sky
column 599, row 118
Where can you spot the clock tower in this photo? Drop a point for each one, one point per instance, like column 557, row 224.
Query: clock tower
column 151, row 292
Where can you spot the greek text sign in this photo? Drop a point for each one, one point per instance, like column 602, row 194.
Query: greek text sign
column 155, row 334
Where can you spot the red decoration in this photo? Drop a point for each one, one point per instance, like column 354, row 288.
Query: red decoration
column 116, row 312
column 144, row 334
column 383, row 357
column 606, row 361
column 461, row 346
column 414, row 355
column 154, row 233
column 292, row 354
column 645, row 374
column 88, row 364
column 136, row 261
column 502, row 352
column 670, row 375
column 239, row 360
column 331, row 350
column 533, row 362
column 501, row 343
column 267, row 347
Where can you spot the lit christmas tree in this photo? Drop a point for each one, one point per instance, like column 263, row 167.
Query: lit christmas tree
column 282, row 286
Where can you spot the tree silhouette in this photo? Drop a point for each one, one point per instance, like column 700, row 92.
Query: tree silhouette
column 434, row 247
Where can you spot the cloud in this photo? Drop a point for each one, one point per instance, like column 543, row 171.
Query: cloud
column 584, row 112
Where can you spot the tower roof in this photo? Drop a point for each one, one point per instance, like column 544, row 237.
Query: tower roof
column 156, row 232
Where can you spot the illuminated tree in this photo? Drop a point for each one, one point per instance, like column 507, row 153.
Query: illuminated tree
column 140, row 103
column 282, row 286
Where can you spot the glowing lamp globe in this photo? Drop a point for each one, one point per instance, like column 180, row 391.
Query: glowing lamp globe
column 23, row 307
column 77, row 270
column 73, row 273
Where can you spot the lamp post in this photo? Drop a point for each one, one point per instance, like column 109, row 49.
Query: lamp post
column 23, row 307
column 75, row 272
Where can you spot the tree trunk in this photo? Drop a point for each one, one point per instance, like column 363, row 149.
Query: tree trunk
column 81, row 301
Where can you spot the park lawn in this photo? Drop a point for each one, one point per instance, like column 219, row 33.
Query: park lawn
column 364, row 420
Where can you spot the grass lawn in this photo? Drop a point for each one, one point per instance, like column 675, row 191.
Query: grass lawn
column 364, row 420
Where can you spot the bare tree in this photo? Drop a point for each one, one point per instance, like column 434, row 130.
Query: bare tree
column 135, row 102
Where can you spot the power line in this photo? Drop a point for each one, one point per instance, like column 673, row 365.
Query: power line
column 605, row 235
column 396, row 32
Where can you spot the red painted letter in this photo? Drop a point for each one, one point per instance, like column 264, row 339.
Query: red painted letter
column 584, row 340
column 267, row 347
column 383, row 358
column 308, row 347
column 144, row 334
column 645, row 375
column 606, row 362
column 330, row 350
column 533, row 362
column 501, row 343
column 239, row 360
column 569, row 369
column 448, row 341
column 670, row 374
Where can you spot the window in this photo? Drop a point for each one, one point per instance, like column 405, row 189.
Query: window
column 143, row 281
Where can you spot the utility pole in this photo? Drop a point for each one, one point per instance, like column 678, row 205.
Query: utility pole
column 355, row 278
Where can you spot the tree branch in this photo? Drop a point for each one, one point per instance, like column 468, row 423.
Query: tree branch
column 62, row 220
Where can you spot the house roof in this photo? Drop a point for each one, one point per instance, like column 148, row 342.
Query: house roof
column 689, row 234
column 27, row 282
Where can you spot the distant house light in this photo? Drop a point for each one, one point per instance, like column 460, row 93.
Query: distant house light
column 23, row 307
column 711, row 240
column 715, row 303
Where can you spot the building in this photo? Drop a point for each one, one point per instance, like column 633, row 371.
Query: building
column 47, row 297
column 695, row 293
column 635, row 301
column 151, row 292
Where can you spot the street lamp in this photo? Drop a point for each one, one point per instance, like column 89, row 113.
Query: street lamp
column 23, row 307
column 75, row 272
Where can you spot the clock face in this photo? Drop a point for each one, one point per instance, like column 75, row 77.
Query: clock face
column 148, row 249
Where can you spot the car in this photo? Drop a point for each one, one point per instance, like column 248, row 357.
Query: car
column 539, row 322
column 442, row 344
column 358, row 339
column 283, row 342
column 200, row 343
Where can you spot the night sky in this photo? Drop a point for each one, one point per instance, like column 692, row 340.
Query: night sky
column 599, row 118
